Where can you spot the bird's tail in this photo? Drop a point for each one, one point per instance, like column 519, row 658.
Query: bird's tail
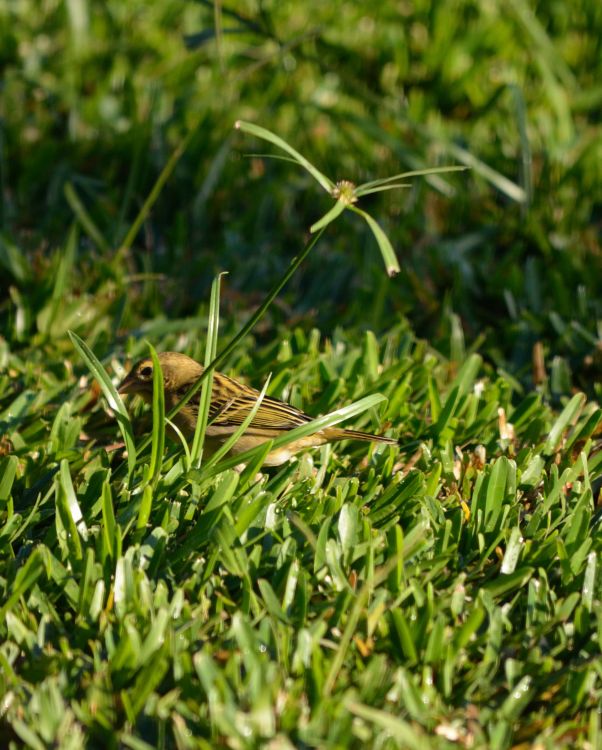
column 335, row 433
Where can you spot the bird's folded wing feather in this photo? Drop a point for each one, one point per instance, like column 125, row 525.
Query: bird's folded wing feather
column 232, row 402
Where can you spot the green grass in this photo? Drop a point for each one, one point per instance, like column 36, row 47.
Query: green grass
column 444, row 594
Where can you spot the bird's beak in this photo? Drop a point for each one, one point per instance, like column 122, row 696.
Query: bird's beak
column 128, row 385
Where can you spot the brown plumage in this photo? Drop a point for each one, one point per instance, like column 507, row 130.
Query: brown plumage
column 231, row 402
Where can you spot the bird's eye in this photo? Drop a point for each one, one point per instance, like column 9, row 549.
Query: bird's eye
column 146, row 372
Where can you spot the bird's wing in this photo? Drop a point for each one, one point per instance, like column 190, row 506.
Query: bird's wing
column 231, row 403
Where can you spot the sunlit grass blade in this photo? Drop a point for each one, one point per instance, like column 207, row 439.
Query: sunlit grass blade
column 75, row 511
column 386, row 249
column 210, row 352
column 109, row 523
column 158, row 434
column 275, row 157
column 408, row 735
column 267, row 135
column 110, row 393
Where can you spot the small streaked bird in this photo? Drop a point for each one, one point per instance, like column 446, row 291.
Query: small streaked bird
column 231, row 402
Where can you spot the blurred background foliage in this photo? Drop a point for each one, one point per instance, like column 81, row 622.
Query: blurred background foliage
column 96, row 97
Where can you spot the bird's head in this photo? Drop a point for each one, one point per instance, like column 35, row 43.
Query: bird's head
column 179, row 371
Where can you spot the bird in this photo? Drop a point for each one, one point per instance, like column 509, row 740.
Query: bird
column 231, row 402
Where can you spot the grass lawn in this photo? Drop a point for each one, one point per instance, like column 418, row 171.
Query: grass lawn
column 445, row 593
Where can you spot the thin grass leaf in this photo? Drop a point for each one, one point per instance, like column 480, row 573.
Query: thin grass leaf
column 8, row 469
column 542, row 43
column 84, row 218
column 111, row 395
column 329, row 216
column 145, row 507
column 109, row 524
column 157, row 188
column 404, row 175
column 386, row 249
column 66, row 530
column 210, row 352
column 526, row 172
column 276, row 157
column 267, row 135
column 395, row 186
column 13, row 260
column 158, row 433
column 183, row 441
column 67, row 260
column 503, row 184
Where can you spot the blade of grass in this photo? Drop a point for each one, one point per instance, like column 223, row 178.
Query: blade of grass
column 111, row 395
column 210, row 352
column 85, row 219
column 267, row 135
column 386, row 249
column 67, row 260
column 182, row 440
column 157, row 188
column 329, row 216
column 498, row 180
column 361, row 189
column 158, row 434
column 26, row 576
column 382, row 188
